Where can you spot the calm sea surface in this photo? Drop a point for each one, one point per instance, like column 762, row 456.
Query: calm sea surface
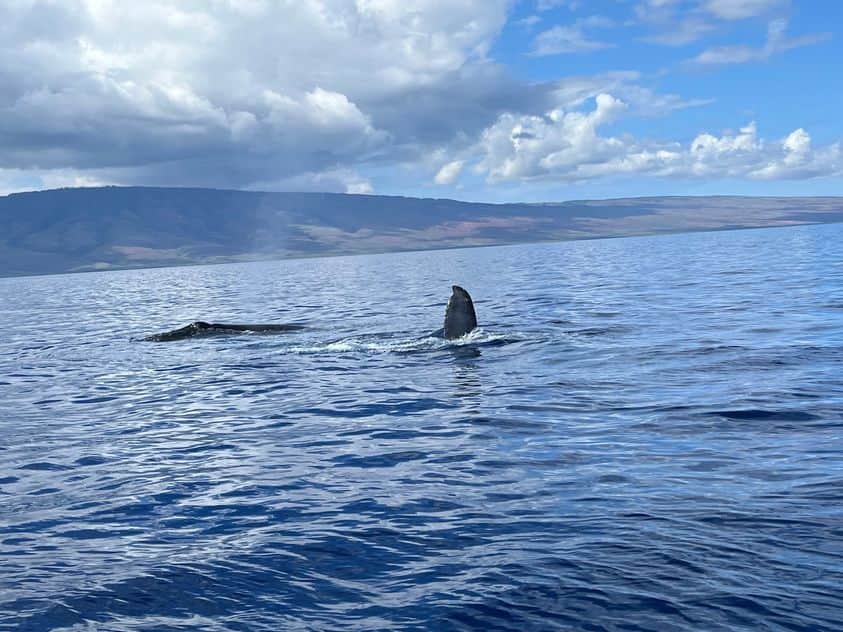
column 645, row 434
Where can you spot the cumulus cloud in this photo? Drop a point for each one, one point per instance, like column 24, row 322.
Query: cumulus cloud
column 309, row 94
column 777, row 42
column 560, row 143
column 796, row 158
column 449, row 172
column 13, row 180
column 567, row 146
column 233, row 92
column 341, row 179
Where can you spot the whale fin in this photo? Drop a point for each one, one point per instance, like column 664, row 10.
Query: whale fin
column 460, row 317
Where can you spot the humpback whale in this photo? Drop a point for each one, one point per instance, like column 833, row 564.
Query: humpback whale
column 460, row 317
column 199, row 328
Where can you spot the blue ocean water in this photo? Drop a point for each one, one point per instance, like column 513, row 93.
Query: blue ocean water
column 645, row 434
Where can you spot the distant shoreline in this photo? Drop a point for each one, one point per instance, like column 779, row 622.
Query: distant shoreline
column 74, row 231
column 390, row 252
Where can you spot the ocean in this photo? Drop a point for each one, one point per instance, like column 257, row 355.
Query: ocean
column 644, row 434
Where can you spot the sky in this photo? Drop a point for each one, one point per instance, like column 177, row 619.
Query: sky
column 486, row 100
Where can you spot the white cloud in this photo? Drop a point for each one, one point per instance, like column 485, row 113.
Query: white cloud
column 797, row 159
column 307, row 94
column 680, row 22
column 547, row 5
column 740, row 9
column 567, row 146
column 661, row 10
column 571, row 39
column 529, row 22
column 776, row 42
column 235, row 92
column 449, row 172
column 572, row 92
column 656, row 11
column 558, row 144
column 12, row 180
column 363, row 187
column 330, row 180
column 683, row 32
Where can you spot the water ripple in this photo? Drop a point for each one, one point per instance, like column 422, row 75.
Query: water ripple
column 645, row 434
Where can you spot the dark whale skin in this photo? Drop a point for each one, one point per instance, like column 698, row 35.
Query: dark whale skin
column 200, row 327
column 460, row 317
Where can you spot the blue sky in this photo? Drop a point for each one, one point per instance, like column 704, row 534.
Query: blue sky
column 473, row 99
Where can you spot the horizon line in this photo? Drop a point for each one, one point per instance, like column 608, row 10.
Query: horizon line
column 412, row 197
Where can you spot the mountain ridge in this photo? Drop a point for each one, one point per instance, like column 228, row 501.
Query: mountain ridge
column 115, row 227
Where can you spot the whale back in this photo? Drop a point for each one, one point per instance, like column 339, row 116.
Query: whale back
column 200, row 327
column 460, row 317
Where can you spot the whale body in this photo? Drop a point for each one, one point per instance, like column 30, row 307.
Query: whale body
column 199, row 328
column 460, row 319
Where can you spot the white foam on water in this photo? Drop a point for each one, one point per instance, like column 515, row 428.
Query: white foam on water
column 373, row 344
